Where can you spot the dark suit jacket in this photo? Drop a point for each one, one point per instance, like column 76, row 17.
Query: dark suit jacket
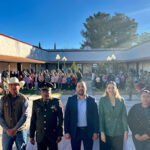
column 71, row 116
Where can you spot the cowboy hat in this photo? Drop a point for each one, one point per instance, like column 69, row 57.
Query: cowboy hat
column 14, row 80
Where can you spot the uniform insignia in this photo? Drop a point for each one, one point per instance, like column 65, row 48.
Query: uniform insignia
column 6, row 103
column 38, row 109
column 53, row 107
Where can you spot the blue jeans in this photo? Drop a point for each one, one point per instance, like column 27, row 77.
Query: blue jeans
column 20, row 139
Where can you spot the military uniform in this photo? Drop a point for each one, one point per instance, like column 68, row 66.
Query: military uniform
column 46, row 122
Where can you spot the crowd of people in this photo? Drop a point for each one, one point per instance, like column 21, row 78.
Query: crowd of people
column 60, row 79
column 99, row 81
column 123, row 79
column 83, row 120
column 67, row 80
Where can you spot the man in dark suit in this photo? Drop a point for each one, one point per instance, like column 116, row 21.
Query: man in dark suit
column 46, row 120
column 81, row 119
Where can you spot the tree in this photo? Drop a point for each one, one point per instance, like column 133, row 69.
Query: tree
column 54, row 46
column 123, row 31
column 105, row 31
column 144, row 37
column 74, row 67
column 40, row 45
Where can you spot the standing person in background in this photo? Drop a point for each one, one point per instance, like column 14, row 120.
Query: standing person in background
column 93, row 79
column 110, row 77
column 113, row 119
column 20, row 78
column 68, row 82
column 41, row 80
column 122, row 81
column 56, row 80
column 60, row 81
column 104, row 80
column 130, row 85
column 47, row 77
column 64, row 81
column 98, row 82
column 139, row 122
column 13, row 116
column 36, row 82
column 81, row 119
column 33, row 80
column 79, row 75
column 5, row 80
column 28, row 82
column 117, row 80
column 73, row 81
column 53, row 79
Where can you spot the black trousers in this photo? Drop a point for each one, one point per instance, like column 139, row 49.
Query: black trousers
column 82, row 135
column 46, row 143
column 112, row 143
column 141, row 145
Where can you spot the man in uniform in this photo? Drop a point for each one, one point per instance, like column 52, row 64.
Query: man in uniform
column 13, row 116
column 46, row 120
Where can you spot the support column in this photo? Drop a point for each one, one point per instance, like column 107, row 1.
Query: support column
column 127, row 67
column 9, row 69
column 30, row 68
column 137, row 68
column 39, row 68
column 82, row 68
column 36, row 67
column 21, row 67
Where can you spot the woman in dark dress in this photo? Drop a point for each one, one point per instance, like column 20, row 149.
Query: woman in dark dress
column 139, row 122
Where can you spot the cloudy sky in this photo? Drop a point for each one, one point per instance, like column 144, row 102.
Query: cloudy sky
column 61, row 21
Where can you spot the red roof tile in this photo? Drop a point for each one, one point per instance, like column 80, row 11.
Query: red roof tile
column 6, row 58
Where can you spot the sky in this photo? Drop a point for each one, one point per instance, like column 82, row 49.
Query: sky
column 60, row 21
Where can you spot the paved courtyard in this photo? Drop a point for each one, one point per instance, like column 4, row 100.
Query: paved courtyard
column 65, row 144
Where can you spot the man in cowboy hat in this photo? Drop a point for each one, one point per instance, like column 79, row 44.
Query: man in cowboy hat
column 46, row 120
column 13, row 116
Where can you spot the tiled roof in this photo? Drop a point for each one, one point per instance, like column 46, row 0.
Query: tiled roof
column 137, row 53
column 6, row 58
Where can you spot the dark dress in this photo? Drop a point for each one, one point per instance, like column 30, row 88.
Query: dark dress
column 139, row 123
